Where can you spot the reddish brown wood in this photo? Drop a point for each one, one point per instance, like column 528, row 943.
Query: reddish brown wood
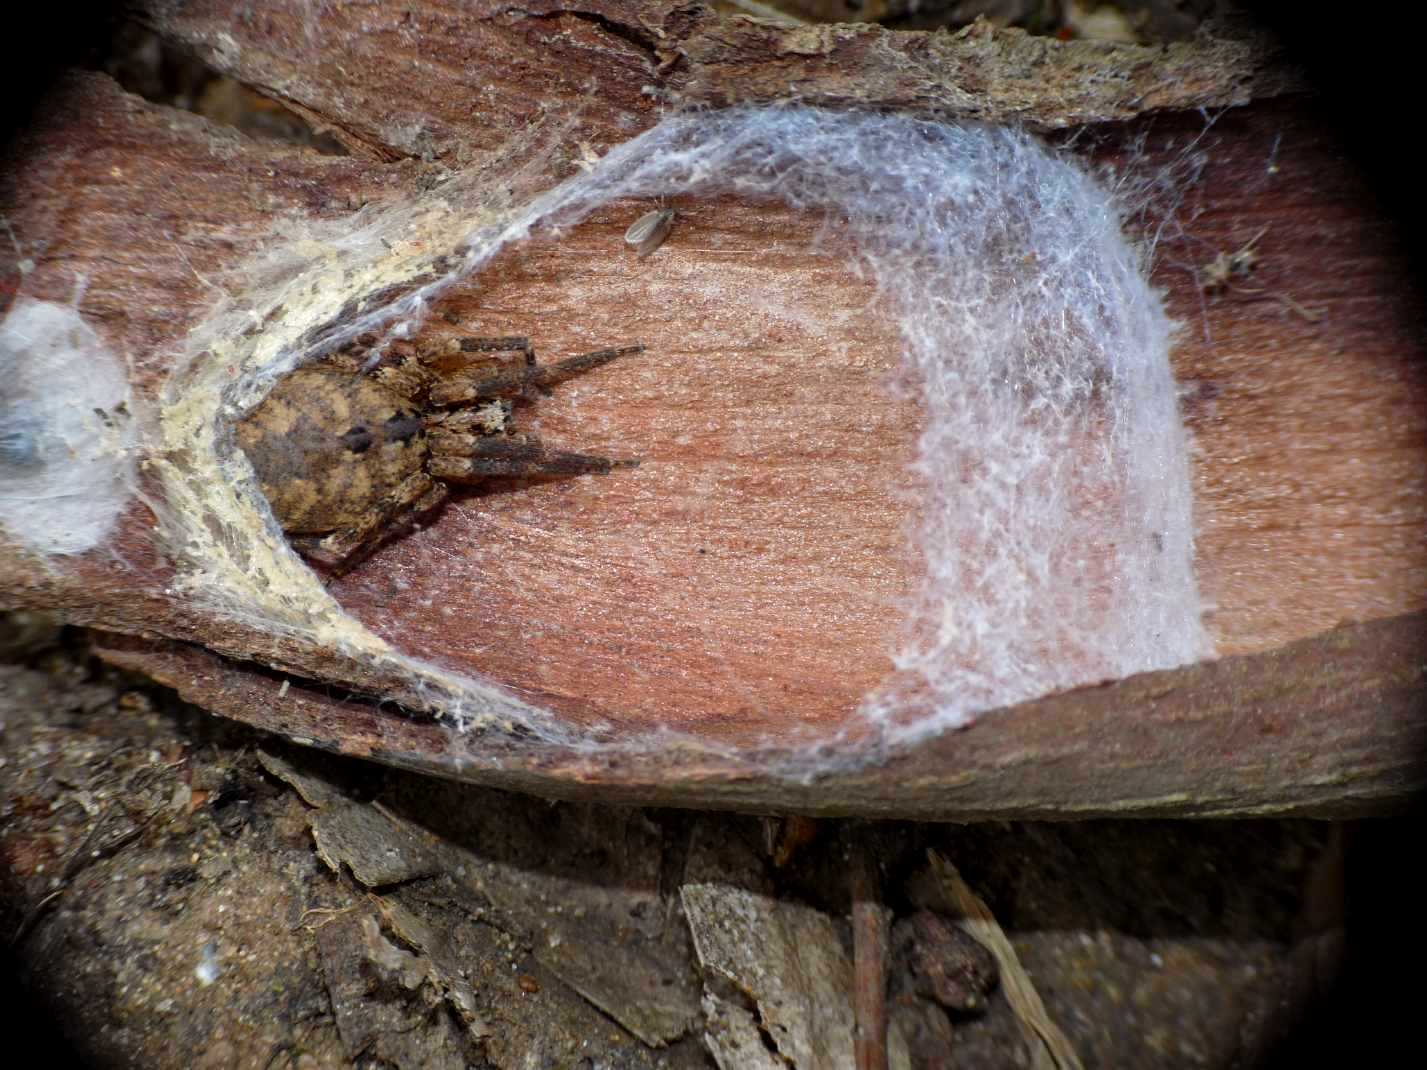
column 871, row 922
column 1332, row 726
column 741, row 584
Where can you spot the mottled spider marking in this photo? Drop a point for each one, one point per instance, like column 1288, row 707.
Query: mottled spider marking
column 326, row 443
column 349, row 456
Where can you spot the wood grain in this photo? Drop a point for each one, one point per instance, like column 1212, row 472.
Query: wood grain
column 743, row 583
column 1334, row 726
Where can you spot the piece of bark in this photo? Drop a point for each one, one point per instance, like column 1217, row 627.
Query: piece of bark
column 1326, row 727
column 382, row 996
column 1310, row 482
column 977, row 74
column 786, row 957
column 734, row 1039
column 467, row 70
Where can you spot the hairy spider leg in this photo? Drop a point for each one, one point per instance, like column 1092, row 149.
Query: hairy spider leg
column 509, row 344
column 516, row 456
column 341, row 551
column 462, row 389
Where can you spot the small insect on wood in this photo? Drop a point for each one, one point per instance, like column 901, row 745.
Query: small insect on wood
column 1228, row 272
column 349, row 456
column 648, row 232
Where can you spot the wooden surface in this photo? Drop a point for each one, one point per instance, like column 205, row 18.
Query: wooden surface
column 750, row 569
column 742, row 583
column 1334, row 726
column 748, row 572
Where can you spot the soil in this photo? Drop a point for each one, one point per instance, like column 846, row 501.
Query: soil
column 186, row 892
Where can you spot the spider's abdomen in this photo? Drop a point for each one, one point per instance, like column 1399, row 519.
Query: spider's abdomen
column 329, row 447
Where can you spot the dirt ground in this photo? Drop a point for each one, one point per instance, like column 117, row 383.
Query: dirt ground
column 181, row 892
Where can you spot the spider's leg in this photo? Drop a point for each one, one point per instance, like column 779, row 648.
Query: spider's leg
column 463, row 388
column 341, row 551
column 550, row 374
column 508, row 344
column 519, row 456
column 454, row 347
column 454, row 354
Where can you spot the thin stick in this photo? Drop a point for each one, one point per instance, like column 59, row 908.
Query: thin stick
column 870, row 922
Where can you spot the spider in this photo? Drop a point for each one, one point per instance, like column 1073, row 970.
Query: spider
column 350, row 456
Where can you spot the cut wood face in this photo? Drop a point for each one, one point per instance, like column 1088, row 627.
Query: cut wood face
column 774, row 439
column 1304, row 388
column 747, row 578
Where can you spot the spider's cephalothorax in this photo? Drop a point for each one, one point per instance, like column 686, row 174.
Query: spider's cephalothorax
column 348, row 456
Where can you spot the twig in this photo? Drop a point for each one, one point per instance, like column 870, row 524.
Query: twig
column 870, row 922
column 328, row 914
column 1050, row 1048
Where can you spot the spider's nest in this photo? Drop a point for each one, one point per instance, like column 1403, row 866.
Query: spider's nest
column 1026, row 320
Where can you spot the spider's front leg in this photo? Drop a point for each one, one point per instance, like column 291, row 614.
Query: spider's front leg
column 341, row 551
column 466, row 456
column 463, row 386
column 470, row 359
column 472, row 444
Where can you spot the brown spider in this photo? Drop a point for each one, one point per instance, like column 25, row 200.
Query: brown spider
column 1228, row 270
column 348, row 457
